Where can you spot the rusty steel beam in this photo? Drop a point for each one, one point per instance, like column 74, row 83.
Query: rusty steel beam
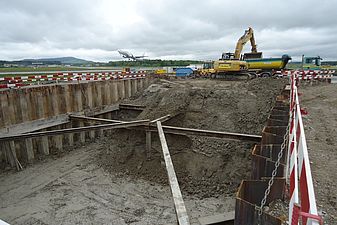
column 264, row 155
column 249, row 196
column 74, row 130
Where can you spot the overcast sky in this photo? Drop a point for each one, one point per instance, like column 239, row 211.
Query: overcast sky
column 166, row 29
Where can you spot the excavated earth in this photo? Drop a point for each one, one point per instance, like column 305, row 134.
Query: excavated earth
column 205, row 167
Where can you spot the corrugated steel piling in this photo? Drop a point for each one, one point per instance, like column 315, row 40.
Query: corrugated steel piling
column 19, row 107
column 264, row 156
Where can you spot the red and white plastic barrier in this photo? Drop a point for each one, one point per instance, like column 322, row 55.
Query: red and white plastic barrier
column 3, row 222
column 302, row 197
column 19, row 81
column 307, row 74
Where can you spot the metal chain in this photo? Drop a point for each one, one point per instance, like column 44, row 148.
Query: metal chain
column 277, row 164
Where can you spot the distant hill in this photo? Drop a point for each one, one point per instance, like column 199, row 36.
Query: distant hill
column 63, row 60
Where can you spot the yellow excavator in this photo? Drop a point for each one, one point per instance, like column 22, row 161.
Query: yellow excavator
column 249, row 65
column 232, row 65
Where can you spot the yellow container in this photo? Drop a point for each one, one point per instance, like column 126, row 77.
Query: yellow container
column 268, row 63
column 161, row 71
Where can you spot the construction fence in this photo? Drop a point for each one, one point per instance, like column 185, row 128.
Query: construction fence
column 20, row 81
column 281, row 166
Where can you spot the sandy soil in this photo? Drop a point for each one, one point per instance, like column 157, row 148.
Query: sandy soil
column 73, row 189
column 321, row 133
column 112, row 182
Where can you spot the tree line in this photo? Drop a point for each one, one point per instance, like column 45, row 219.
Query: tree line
column 153, row 63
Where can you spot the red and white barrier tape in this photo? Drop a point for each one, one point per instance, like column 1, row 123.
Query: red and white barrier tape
column 11, row 82
column 307, row 74
column 301, row 183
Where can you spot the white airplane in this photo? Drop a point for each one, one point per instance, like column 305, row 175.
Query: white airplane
column 129, row 55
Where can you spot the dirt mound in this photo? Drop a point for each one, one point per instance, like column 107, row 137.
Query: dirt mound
column 217, row 105
column 206, row 167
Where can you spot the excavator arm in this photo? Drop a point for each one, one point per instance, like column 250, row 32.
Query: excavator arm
column 248, row 35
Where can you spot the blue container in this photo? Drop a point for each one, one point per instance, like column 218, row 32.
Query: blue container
column 183, row 72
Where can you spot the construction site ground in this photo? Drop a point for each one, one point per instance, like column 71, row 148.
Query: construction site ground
column 321, row 133
column 112, row 181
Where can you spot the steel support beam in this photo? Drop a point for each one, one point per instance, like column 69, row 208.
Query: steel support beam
column 211, row 133
column 186, row 131
column 131, row 107
column 36, row 125
column 94, row 119
column 74, row 130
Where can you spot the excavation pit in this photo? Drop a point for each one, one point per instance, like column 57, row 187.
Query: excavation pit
column 115, row 180
column 205, row 166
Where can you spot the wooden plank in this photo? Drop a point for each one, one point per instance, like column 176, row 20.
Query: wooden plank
column 174, row 185
column 162, row 119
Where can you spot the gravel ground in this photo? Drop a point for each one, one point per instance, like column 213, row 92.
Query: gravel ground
column 321, row 133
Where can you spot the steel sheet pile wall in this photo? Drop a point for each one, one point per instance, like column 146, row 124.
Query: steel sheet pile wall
column 30, row 109
column 264, row 156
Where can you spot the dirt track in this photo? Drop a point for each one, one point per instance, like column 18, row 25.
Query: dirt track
column 112, row 182
column 321, row 134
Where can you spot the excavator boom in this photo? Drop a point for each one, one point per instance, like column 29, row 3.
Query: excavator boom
column 248, row 35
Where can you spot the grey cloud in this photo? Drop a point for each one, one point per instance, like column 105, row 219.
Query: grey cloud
column 164, row 29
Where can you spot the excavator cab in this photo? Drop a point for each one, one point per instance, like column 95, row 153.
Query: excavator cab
column 227, row 56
